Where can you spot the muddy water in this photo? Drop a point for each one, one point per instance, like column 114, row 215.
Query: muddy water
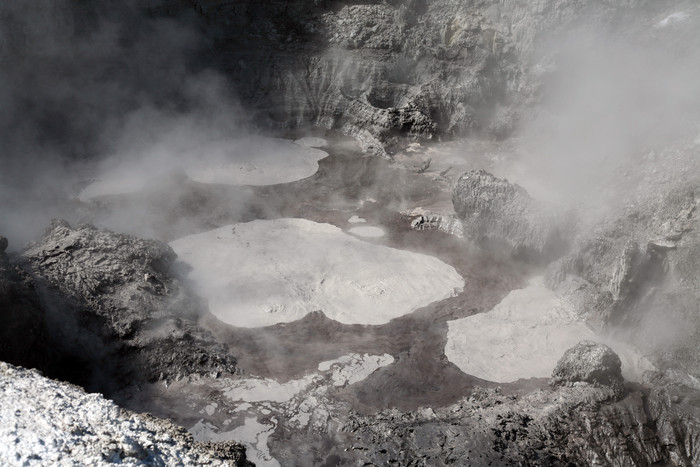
column 346, row 185
column 376, row 191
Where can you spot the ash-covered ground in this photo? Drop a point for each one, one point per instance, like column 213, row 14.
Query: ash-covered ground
column 346, row 233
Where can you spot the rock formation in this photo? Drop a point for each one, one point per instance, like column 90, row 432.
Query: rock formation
column 392, row 72
column 450, row 225
column 578, row 425
column 588, row 362
column 495, row 211
column 47, row 422
column 107, row 311
column 636, row 273
column 114, row 309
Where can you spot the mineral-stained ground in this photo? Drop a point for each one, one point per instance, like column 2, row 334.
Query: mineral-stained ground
column 320, row 232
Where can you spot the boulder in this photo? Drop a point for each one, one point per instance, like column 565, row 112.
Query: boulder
column 588, row 362
column 495, row 211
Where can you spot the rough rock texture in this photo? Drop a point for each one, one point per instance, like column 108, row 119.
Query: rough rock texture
column 588, row 362
column 394, row 71
column 579, row 425
column 115, row 308
column 447, row 224
column 45, row 422
column 637, row 273
column 495, row 211
column 387, row 72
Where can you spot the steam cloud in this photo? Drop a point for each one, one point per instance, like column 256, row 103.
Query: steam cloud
column 83, row 80
column 612, row 97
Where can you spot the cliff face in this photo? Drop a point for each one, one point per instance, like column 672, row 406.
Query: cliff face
column 636, row 274
column 385, row 72
column 393, row 72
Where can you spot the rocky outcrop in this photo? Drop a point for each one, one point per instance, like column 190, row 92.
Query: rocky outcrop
column 447, row 224
column 389, row 73
column 116, row 309
column 636, row 273
column 581, row 424
column 495, row 211
column 588, row 362
column 45, row 422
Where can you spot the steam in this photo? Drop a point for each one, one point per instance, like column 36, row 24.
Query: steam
column 611, row 98
column 89, row 87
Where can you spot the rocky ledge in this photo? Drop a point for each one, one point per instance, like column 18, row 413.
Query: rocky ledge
column 110, row 308
column 591, row 420
column 45, row 422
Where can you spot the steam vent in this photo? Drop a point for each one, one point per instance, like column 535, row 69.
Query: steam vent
column 347, row 233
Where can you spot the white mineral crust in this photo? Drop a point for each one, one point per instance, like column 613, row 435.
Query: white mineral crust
column 275, row 271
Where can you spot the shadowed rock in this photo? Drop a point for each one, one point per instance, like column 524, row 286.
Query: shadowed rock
column 117, row 310
column 23, row 332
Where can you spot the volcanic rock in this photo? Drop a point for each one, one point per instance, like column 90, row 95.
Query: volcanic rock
column 388, row 73
column 581, row 425
column 588, row 362
column 23, row 333
column 637, row 272
column 113, row 302
column 53, row 423
column 495, row 211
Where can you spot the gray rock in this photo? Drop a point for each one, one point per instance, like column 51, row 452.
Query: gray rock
column 447, row 224
column 118, row 298
column 588, row 362
column 579, row 425
column 41, row 417
column 495, row 211
column 618, row 278
column 389, row 73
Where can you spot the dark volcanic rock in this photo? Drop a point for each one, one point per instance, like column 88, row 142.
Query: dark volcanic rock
column 392, row 72
column 23, row 333
column 588, row 362
column 583, row 425
column 115, row 305
column 495, row 211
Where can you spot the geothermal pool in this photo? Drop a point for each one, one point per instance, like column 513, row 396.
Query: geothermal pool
column 266, row 272
column 332, row 303
column 242, row 161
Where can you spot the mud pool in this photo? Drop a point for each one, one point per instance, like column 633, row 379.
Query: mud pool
column 317, row 353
